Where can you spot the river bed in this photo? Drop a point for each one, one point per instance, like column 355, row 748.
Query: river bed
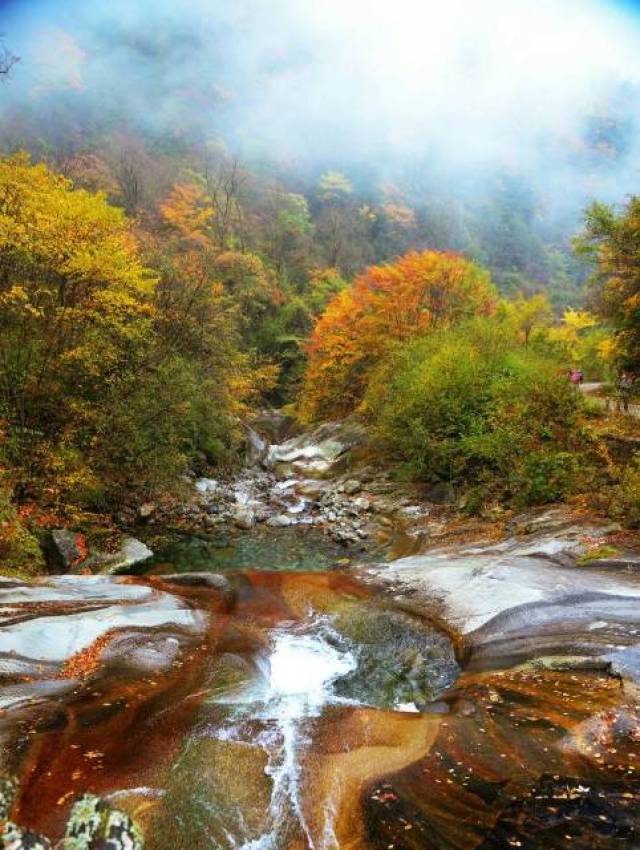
column 300, row 710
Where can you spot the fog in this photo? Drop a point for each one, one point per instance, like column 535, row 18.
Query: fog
column 455, row 91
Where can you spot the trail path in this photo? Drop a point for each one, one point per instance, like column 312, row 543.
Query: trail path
column 609, row 403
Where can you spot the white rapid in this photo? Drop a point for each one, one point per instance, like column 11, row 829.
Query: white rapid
column 299, row 673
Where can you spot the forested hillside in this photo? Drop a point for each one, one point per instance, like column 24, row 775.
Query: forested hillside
column 165, row 276
column 319, row 424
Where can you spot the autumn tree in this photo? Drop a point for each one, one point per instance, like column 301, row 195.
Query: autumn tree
column 75, row 302
column 288, row 232
column 189, row 213
column 224, row 185
column 611, row 241
column 112, row 377
column 529, row 314
column 341, row 225
column 386, row 305
column 396, row 223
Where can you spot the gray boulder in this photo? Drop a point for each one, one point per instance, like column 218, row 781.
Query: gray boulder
column 351, row 487
column 63, row 549
column 315, row 454
column 131, row 552
column 280, row 521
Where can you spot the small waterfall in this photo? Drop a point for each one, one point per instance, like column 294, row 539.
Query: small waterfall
column 303, row 664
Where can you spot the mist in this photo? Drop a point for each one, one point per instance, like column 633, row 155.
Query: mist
column 452, row 93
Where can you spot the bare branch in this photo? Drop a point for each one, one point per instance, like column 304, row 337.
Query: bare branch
column 7, row 60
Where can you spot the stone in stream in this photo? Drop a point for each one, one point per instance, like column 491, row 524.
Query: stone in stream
column 8, row 791
column 352, row 486
column 216, row 581
column 362, row 504
column 96, row 825
column 400, row 660
column 207, row 486
column 13, row 837
column 93, row 824
column 311, row 489
column 280, row 521
column 244, row 517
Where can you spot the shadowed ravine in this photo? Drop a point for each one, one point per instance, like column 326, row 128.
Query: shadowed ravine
column 302, row 711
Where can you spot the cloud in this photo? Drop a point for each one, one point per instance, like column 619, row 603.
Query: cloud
column 468, row 87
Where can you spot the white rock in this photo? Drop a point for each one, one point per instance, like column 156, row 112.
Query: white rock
column 280, row 521
column 206, row 485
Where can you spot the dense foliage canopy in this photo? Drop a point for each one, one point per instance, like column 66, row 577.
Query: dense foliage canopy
column 471, row 405
column 111, row 376
column 386, row 305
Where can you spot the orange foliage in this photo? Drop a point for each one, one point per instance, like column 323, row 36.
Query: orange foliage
column 84, row 663
column 188, row 211
column 386, row 305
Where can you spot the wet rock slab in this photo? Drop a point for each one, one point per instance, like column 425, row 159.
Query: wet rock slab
column 523, row 759
column 44, row 626
column 526, row 597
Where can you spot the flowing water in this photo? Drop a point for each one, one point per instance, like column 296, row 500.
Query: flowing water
column 297, row 710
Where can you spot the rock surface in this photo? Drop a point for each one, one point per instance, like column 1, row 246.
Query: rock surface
column 64, row 549
column 527, row 597
column 131, row 552
column 46, row 624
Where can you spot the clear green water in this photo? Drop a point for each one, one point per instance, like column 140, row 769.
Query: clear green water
column 297, row 549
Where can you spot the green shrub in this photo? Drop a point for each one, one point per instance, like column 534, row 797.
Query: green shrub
column 625, row 501
column 20, row 553
column 472, row 406
column 548, row 477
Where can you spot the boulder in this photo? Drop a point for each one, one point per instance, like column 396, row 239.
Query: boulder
column 280, row 521
column 13, row 837
column 400, row 660
column 315, row 454
column 311, row 489
column 201, row 579
column 8, row 792
column 95, row 823
column 64, row 549
column 351, row 487
column 244, row 517
column 131, row 552
column 206, row 486
column 362, row 504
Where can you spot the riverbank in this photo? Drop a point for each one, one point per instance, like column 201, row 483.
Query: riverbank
column 480, row 691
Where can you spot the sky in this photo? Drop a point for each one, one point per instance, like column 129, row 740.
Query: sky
column 471, row 87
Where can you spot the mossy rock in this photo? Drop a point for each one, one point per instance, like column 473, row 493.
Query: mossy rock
column 399, row 658
column 95, row 825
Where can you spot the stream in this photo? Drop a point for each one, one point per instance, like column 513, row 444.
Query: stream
column 257, row 694
column 250, row 719
column 280, row 709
